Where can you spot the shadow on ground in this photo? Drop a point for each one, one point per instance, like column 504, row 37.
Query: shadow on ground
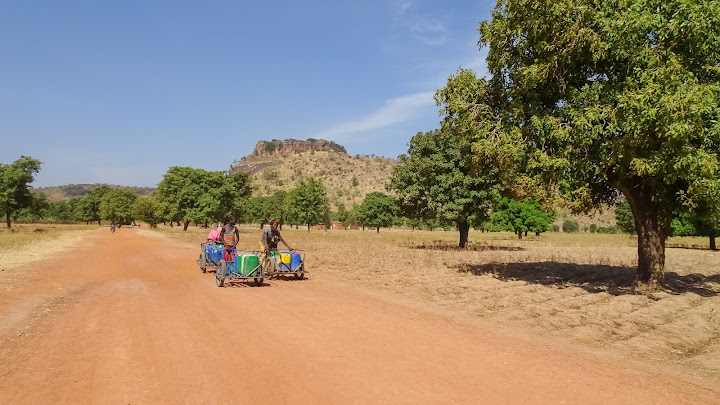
column 471, row 247
column 615, row 280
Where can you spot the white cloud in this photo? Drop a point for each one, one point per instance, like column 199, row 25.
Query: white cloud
column 394, row 111
column 405, row 6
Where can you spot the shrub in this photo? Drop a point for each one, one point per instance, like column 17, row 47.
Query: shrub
column 570, row 226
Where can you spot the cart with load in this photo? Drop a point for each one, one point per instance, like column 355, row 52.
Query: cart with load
column 284, row 263
column 210, row 255
column 237, row 264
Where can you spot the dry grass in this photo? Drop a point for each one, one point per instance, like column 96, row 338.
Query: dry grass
column 26, row 243
column 568, row 287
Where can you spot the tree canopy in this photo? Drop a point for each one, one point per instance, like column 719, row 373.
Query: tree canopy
column 586, row 99
column 377, row 210
column 117, row 206
column 432, row 181
column 88, row 208
column 520, row 216
column 15, row 180
column 187, row 194
column 308, row 203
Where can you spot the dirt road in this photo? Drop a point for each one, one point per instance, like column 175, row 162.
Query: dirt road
column 129, row 319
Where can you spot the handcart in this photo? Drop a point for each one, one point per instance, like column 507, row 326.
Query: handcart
column 284, row 263
column 210, row 255
column 237, row 264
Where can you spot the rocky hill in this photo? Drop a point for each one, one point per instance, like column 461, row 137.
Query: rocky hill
column 289, row 146
column 279, row 165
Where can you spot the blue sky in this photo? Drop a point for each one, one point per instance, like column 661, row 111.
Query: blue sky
column 117, row 92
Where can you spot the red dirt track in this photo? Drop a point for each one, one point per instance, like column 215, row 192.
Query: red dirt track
column 130, row 319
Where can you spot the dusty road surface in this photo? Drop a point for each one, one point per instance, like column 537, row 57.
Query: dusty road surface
column 130, row 319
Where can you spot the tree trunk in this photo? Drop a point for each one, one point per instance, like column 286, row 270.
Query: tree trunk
column 519, row 234
column 712, row 242
column 185, row 227
column 7, row 218
column 464, row 228
column 99, row 224
column 650, row 274
column 378, row 229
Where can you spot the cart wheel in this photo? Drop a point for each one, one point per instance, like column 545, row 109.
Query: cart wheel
column 202, row 262
column 220, row 273
column 299, row 275
column 258, row 281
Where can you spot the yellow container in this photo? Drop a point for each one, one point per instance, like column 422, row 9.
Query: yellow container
column 285, row 258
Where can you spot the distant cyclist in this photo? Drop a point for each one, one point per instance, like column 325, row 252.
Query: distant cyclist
column 112, row 227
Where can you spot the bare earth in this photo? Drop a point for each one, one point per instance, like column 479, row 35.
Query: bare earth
column 125, row 318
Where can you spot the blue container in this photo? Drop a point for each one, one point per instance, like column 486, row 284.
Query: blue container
column 295, row 261
column 216, row 255
column 232, row 267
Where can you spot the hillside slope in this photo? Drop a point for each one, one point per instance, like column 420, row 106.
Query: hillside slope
column 347, row 178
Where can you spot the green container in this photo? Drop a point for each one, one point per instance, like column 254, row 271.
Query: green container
column 249, row 263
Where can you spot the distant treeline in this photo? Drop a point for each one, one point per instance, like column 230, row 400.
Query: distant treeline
column 69, row 191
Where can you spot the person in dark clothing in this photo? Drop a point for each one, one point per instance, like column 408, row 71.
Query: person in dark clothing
column 271, row 236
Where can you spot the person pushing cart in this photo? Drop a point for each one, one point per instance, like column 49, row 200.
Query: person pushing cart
column 270, row 238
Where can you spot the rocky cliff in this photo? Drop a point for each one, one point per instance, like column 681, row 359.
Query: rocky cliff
column 288, row 146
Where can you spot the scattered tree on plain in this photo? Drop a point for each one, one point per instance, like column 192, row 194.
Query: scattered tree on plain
column 308, row 203
column 15, row 179
column 587, row 98
column 520, row 217
column 377, row 210
column 433, row 182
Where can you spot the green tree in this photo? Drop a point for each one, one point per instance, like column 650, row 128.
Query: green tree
column 570, row 226
column 15, row 179
column 692, row 224
column 88, row 207
column 62, row 211
column 278, row 208
column 433, row 181
column 187, row 194
column 308, row 202
column 591, row 97
column 624, row 217
column 520, row 216
column 258, row 210
column 241, row 185
column 36, row 209
column 117, row 205
column 145, row 209
column 378, row 210
column 341, row 215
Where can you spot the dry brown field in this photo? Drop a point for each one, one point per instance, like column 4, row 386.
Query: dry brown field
column 574, row 288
